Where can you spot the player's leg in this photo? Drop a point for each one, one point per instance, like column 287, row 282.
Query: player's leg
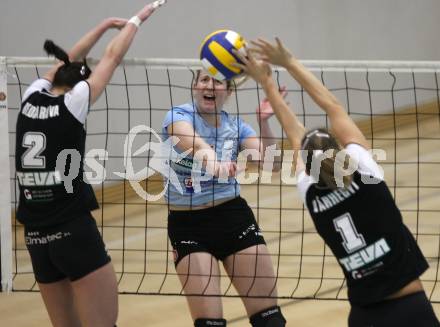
column 96, row 297
column 196, row 266
column 59, row 301
column 248, row 264
column 252, row 274
column 199, row 274
column 55, row 289
column 80, row 254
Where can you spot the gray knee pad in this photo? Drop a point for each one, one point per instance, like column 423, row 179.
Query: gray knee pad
column 270, row 317
column 203, row 322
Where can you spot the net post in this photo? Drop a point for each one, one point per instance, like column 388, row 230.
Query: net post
column 5, row 194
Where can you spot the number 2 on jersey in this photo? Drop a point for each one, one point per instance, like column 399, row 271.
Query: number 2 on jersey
column 352, row 240
column 35, row 142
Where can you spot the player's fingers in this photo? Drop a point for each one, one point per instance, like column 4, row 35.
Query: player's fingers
column 233, row 168
column 283, row 91
column 266, row 59
column 240, row 56
column 249, row 55
column 256, row 48
column 261, row 47
column 239, row 66
column 279, row 43
column 253, row 55
column 118, row 20
column 149, row 9
column 265, row 42
column 158, row 3
column 121, row 23
column 257, row 44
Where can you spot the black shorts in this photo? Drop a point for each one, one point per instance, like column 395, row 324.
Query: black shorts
column 69, row 250
column 412, row 310
column 221, row 230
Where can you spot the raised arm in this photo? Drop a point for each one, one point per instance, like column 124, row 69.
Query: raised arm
column 343, row 126
column 260, row 71
column 80, row 50
column 115, row 51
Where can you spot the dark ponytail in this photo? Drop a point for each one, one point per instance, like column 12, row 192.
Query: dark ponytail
column 69, row 74
column 321, row 140
column 53, row 50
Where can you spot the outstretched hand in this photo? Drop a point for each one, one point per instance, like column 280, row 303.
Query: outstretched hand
column 276, row 54
column 116, row 22
column 265, row 110
column 146, row 12
column 259, row 70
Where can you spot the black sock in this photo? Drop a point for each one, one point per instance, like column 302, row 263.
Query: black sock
column 203, row 322
column 270, row 317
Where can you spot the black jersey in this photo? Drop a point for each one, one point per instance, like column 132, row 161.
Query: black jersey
column 364, row 229
column 46, row 125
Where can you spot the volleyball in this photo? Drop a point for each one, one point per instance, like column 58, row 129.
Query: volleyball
column 216, row 54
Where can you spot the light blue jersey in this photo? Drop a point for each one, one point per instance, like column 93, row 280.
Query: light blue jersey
column 226, row 140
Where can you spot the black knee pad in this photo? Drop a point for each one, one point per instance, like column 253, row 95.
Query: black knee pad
column 203, row 322
column 270, row 317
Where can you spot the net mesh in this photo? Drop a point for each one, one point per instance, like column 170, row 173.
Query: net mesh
column 397, row 109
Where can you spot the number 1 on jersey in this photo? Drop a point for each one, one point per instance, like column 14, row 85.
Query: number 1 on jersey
column 352, row 239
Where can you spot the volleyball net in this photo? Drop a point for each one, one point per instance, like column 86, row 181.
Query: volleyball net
column 396, row 105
